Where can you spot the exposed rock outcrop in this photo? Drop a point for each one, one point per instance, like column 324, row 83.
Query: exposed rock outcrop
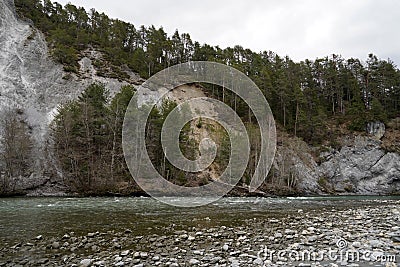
column 31, row 81
column 294, row 167
column 362, row 167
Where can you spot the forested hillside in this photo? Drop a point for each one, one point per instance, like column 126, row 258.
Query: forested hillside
column 316, row 100
column 304, row 96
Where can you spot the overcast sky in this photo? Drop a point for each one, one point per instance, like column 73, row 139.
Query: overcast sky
column 298, row 28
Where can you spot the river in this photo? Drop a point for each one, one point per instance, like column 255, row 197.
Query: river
column 22, row 219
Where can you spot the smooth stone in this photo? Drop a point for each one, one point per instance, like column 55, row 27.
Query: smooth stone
column 85, row 262
column 235, row 253
column 55, row 245
column 143, row 255
column 156, row 258
column 124, row 253
column 278, row 235
column 194, row 262
column 258, row 261
column 198, row 252
column 312, row 238
column 374, row 243
column 66, row 236
column 184, row 236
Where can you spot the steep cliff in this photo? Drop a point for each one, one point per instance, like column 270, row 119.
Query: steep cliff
column 361, row 166
column 32, row 82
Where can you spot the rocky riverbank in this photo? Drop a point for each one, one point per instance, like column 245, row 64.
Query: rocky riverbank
column 360, row 236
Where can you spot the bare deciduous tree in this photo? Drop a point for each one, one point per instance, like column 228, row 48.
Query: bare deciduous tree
column 16, row 149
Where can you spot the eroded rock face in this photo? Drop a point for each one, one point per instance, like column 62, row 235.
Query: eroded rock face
column 362, row 168
column 31, row 81
column 294, row 163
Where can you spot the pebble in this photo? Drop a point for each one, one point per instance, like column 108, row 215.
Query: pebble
column 194, row 262
column 258, row 261
column 217, row 245
column 85, row 262
column 143, row 255
column 278, row 235
column 92, row 234
column 124, row 253
column 55, row 245
column 66, row 236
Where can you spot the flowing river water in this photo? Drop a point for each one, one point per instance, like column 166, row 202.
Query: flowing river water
column 22, row 219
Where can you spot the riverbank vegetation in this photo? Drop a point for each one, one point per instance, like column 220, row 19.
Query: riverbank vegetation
column 312, row 99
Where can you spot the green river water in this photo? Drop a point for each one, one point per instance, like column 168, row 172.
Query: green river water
column 25, row 218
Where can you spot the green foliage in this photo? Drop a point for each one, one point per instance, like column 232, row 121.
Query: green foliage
column 377, row 112
column 303, row 95
column 67, row 56
column 82, row 132
column 358, row 115
column 224, row 149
